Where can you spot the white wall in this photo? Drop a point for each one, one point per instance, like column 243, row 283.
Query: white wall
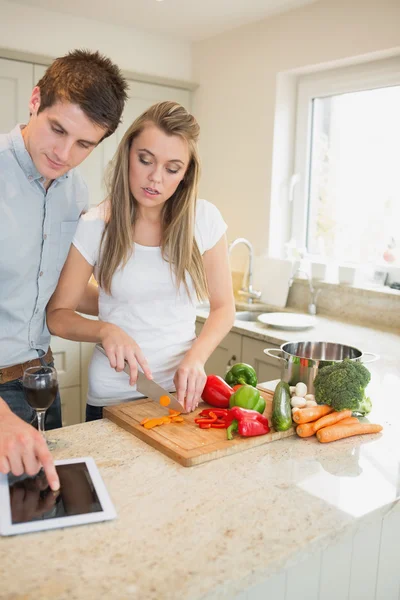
column 235, row 103
column 53, row 34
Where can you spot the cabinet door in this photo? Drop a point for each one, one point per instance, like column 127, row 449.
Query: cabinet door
column 66, row 361
column 225, row 355
column 86, row 356
column 266, row 368
column 16, row 87
column 71, row 405
column 142, row 95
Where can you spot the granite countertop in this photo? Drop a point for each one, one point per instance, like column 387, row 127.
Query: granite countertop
column 214, row 530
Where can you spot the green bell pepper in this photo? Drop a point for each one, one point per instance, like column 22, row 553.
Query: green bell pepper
column 241, row 374
column 247, row 397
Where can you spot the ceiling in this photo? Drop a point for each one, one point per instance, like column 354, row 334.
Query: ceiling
column 184, row 19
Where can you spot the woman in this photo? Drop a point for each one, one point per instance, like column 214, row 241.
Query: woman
column 155, row 250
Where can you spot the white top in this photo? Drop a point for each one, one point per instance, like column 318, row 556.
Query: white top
column 146, row 304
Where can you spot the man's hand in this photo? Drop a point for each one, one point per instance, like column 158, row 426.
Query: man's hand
column 23, row 449
column 29, row 500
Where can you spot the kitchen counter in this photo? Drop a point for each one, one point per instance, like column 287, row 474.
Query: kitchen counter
column 385, row 342
column 218, row 529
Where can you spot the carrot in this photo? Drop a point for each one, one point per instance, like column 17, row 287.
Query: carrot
column 306, row 415
column 173, row 413
column 164, row 400
column 308, row 429
column 153, row 423
column 144, row 421
column 177, row 419
column 339, row 431
column 331, row 419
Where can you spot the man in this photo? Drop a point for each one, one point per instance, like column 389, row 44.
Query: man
column 77, row 103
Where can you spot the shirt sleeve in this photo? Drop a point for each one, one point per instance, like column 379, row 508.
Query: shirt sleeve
column 210, row 226
column 88, row 235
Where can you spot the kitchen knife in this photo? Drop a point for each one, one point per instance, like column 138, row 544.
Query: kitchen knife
column 150, row 388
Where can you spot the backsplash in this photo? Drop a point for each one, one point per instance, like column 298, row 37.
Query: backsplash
column 372, row 307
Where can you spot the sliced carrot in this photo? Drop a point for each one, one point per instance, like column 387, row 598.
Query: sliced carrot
column 173, row 413
column 177, row 419
column 340, row 431
column 306, row 415
column 144, row 421
column 165, row 400
column 309, row 429
column 153, row 423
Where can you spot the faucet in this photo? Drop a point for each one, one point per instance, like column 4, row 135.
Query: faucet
column 314, row 293
column 248, row 292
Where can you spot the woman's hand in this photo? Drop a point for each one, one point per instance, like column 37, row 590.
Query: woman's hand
column 190, row 379
column 120, row 347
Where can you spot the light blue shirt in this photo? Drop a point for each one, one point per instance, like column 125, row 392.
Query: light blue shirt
column 36, row 230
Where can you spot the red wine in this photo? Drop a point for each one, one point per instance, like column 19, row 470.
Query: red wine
column 41, row 399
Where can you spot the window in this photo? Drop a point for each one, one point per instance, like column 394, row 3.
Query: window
column 346, row 202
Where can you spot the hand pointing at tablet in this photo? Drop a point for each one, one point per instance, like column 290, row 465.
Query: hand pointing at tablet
column 23, row 449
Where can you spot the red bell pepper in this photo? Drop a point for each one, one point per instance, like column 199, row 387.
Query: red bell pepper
column 217, row 392
column 247, row 422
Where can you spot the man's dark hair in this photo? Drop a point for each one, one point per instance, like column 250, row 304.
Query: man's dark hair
column 90, row 80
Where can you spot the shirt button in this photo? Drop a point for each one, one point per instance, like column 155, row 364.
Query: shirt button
column 36, row 311
column 45, row 236
column 41, row 273
column 30, row 177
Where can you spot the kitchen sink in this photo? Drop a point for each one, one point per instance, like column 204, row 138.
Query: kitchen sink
column 247, row 315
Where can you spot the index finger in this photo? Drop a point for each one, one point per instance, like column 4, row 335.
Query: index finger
column 45, row 458
column 143, row 363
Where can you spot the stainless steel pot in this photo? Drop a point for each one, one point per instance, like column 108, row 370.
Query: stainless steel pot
column 301, row 360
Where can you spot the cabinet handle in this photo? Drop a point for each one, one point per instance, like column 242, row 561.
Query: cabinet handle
column 230, row 362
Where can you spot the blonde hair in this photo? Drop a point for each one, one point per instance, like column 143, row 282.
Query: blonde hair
column 178, row 244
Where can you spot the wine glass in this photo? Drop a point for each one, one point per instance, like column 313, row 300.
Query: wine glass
column 40, row 387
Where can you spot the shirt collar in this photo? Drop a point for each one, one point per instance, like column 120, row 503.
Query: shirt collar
column 24, row 158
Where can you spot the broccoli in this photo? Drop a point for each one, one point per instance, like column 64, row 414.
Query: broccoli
column 342, row 386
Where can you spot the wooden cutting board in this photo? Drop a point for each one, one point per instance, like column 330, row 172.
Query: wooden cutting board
column 185, row 442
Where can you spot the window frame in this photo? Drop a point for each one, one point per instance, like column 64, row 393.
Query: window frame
column 367, row 76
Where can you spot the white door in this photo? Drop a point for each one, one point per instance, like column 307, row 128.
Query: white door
column 16, row 80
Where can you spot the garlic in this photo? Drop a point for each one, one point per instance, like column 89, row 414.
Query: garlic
column 292, row 390
column 301, row 389
column 309, row 397
column 298, row 402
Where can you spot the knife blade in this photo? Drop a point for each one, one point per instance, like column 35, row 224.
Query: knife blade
column 150, row 388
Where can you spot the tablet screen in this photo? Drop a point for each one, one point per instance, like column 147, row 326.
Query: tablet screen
column 31, row 499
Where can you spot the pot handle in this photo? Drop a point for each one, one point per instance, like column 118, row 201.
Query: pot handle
column 269, row 352
column 373, row 359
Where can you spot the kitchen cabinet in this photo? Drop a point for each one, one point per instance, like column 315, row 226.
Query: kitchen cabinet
column 236, row 347
column 253, row 353
column 71, row 405
column 16, row 87
column 225, row 355
column 67, row 363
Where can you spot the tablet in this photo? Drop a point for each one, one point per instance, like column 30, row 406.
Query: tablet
column 28, row 504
